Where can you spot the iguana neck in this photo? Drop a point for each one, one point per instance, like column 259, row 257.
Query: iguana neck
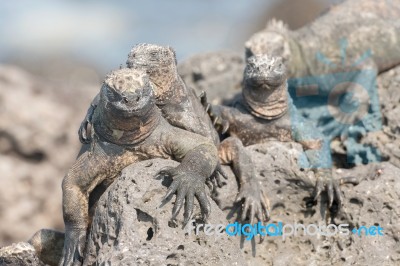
column 266, row 104
column 120, row 130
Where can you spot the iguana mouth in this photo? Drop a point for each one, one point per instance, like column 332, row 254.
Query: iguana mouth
column 269, row 82
column 265, row 71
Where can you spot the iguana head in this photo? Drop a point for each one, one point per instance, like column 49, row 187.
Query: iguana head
column 128, row 93
column 264, row 71
column 264, row 86
column 159, row 62
column 273, row 41
column 126, row 113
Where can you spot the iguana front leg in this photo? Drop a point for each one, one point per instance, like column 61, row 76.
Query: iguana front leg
column 317, row 149
column 251, row 193
column 199, row 158
column 231, row 151
column 89, row 170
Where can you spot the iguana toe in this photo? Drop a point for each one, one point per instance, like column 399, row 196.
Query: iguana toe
column 73, row 247
column 255, row 203
column 326, row 182
column 189, row 206
column 204, row 204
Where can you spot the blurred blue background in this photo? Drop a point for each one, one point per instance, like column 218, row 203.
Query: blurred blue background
column 101, row 33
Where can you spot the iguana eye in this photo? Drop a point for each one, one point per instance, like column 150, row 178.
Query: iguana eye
column 153, row 56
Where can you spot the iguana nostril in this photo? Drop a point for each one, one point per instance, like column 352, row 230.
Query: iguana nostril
column 125, row 99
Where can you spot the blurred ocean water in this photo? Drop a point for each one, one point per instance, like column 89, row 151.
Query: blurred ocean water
column 102, row 32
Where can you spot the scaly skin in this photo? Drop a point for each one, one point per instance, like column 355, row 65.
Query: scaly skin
column 182, row 108
column 51, row 252
column 128, row 127
column 261, row 114
column 21, row 254
column 364, row 24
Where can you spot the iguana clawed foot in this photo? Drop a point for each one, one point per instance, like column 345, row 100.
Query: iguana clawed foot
column 326, row 182
column 255, row 203
column 73, row 247
column 215, row 179
column 187, row 186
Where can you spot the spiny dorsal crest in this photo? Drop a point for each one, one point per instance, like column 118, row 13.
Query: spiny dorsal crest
column 277, row 26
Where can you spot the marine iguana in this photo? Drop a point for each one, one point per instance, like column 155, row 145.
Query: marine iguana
column 365, row 28
column 128, row 127
column 261, row 114
column 182, row 108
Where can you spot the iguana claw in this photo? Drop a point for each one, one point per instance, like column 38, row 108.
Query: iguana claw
column 187, row 186
column 255, row 203
column 326, row 182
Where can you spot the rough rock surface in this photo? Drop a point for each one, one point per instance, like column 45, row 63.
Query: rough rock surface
column 21, row 254
column 219, row 74
column 130, row 227
column 388, row 140
column 374, row 201
column 38, row 142
column 30, row 194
